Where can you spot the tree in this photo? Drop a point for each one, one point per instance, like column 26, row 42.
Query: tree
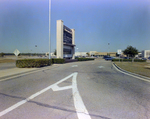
column 130, row 51
column 2, row 54
column 88, row 54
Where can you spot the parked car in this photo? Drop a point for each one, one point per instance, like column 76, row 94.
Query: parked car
column 126, row 58
column 148, row 58
column 144, row 58
column 109, row 58
column 106, row 56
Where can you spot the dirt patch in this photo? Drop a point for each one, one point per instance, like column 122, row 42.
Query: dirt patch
column 135, row 67
column 6, row 60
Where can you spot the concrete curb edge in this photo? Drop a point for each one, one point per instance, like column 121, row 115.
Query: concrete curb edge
column 134, row 74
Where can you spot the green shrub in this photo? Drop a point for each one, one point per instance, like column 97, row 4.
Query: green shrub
column 58, row 61
column 128, row 60
column 85, row 59
column 28, row 63
column 138, row 60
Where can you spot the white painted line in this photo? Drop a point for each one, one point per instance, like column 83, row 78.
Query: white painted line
column 23, row 101
column 12, row 107
column 100, row 67
column 131, row 75
column 79, row 105
column 29, row 98
column 57, row 88
column 74, row 65
column 81, row 110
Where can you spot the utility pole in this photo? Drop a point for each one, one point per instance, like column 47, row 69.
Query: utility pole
column 49, row 28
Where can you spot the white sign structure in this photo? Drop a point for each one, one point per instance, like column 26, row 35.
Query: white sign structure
column 119, row 52
column 16, row 52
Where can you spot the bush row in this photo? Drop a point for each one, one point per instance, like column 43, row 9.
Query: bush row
column 84, row 59
column 129, row 60
column 58, row 61
column 28, row 63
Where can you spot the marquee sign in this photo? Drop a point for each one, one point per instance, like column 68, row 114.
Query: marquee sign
column 67, row 35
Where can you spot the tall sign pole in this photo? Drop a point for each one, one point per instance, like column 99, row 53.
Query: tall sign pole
column 108, row 49
column 119, row 53
column 49, row 28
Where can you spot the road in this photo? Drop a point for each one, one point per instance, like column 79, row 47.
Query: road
column 79, row 90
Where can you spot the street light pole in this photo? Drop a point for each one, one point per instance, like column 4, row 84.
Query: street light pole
column 49, row 28
column 108, row 48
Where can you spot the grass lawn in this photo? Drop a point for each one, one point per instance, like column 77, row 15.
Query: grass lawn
column 136, row 67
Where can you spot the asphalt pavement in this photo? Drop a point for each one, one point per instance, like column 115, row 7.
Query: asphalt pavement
column 79, row 90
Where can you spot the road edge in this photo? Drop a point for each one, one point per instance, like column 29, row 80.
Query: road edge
column 131, row 74
column 4, row 78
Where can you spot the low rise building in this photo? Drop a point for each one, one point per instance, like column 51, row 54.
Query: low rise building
column 92, row 53
column 81, row 54
column 100, row 54
column 146, row 53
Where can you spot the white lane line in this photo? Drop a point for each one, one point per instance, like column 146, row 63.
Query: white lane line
column 12, row 107
column 81, row 110
column 74, row 66
column 23, row 101
column 79, row 105
column 31, row 97
column 131, row 75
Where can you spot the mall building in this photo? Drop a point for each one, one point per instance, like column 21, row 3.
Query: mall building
column 101, row 54
column 65, row 41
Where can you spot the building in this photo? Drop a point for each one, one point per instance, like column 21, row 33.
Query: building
column 81, row 54
column 112, row 54
column 65, row 41
column 92, row 53
column 52, row 54
column 146, row 53
column 100, row 54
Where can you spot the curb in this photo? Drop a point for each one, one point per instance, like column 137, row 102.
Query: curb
column 26, row 72
column 134, row 74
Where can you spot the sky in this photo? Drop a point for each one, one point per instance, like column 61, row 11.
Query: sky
column 24, row 24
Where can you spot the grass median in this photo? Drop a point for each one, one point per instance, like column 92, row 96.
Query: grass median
column 141, row 68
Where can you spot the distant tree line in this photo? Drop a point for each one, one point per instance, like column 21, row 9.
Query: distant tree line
column 29, row 54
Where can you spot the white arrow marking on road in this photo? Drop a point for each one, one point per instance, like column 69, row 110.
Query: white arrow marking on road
column 100, row 66
column 79, row 105
column 74, row 65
